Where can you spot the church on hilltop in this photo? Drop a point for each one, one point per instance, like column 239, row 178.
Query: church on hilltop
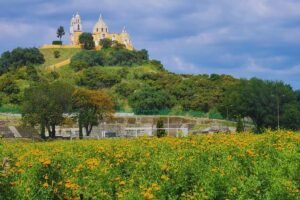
column 100, row 31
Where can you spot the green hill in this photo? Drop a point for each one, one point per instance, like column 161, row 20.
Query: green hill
column 143, row 86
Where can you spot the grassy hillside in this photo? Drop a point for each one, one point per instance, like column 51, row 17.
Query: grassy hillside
column 64, row 55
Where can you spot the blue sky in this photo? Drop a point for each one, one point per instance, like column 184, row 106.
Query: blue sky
column 244, row 38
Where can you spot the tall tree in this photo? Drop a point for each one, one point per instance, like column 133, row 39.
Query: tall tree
column 60, row 32
column 92, row 107
column 45, row 104
column 87, row 41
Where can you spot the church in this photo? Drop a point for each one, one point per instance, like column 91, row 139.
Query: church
column 100, row 31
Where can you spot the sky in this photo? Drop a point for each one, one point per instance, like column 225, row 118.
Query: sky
column 243, row 38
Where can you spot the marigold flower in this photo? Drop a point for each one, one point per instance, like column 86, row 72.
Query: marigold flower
column 45, row 185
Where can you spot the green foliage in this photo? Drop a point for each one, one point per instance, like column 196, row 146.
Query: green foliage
column 92, row 107
column 9, row 90
column 125, row 89
column 56, row 42
column 20, row 57
column 32, row 73
column 261, row 101
column 160, row 131
column 117, row 45
column 56, row 54
column 239, row 125
column 105, row 43
column 87, row 41
column 85, row 59
column 95, row 78
column 149, row 100
column 125, row 57
column 44, row 104
column 110, row 57
column 60, row 32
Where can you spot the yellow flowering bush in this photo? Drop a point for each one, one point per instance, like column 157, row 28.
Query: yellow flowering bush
column 221, row 166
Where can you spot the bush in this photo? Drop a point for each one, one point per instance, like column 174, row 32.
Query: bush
column 20, row 57
column 105, row 43
column 57, row 42
column 150, row 100
column 160, row 131
column 56, row 54
column 85, row 59
column 94, row 78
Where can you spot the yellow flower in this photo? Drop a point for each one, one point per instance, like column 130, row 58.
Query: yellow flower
column 122, row 182
column 229, row 157
column 45, row 185
column 92, row 163
column 45, row 161
column 164, row 178
column 250, row 153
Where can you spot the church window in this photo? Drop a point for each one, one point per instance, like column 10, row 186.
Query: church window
column 78, row 27
column 101, row 29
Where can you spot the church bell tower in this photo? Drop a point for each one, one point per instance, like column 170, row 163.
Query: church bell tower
column 75, row 29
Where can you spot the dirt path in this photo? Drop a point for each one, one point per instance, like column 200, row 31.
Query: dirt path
column 59, row 65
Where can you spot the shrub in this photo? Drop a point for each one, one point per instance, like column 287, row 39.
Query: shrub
column 94, row 78
column 85, row 59
column 150, row 100
column 160, row 131
column 105, row 43
column 56, row 54
column 57, row 42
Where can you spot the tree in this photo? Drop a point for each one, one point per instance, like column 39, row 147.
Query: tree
column 106, row 43
column 91, row 107
column 239, row 125
column 149, row 100
column 265, row 102
column 20, row 57
column 60, row 32
column 45, row 104
column 160, row 131
column 87, row 41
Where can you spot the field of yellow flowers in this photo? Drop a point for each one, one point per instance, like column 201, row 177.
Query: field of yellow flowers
column 244, row 166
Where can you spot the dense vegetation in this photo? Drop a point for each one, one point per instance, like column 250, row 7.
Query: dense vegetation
column 240, row 166
column 138, row 84
column 20, row 57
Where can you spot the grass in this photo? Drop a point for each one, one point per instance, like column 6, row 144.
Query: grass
column 244, row 166
column 64, row 55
